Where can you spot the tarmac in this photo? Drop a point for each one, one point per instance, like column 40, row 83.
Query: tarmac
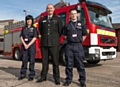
column 103, row 74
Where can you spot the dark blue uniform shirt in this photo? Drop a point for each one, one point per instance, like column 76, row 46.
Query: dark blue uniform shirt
column 74, row 31
column 29, row 33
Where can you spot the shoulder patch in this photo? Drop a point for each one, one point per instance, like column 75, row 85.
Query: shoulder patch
column 44, row 21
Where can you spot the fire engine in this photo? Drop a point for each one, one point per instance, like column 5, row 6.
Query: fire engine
column 98, row 45
column 1, row 43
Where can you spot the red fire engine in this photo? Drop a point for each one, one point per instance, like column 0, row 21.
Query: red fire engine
column 1, row 43
column 98, row 45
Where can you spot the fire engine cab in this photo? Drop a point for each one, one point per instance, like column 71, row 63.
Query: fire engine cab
column 98, row 45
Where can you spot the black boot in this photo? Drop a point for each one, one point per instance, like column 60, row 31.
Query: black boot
column 41, row 80
column 30, row 79
column 67, row 83
column 82, row 84
column 21, row 78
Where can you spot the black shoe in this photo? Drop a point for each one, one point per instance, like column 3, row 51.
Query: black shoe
column 82, row 85
column 40, row 80
column 66, row 83
column 30, row 79
column 57, row 82
column 20, row 78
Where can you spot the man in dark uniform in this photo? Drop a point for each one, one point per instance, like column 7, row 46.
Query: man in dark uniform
column 75, row 32
column 50, row 30
column 28, row 37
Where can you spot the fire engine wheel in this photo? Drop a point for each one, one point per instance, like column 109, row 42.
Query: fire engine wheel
column 62, row 56
column 93, row 61
column 1, row 52
column 16, row 54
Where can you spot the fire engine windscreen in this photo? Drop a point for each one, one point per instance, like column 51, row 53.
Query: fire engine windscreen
column 99, row 17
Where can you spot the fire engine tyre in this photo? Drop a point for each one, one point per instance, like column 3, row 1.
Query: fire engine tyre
column 16, row 54
column 1, row 52
column 62, row 56
column 93, row 61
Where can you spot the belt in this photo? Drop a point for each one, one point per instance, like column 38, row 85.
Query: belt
column 74, row 42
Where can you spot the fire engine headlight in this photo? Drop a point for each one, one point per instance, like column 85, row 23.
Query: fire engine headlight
column 97, row 51
column 96, row 55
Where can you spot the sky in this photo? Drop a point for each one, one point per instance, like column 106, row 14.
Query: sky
column 13, row 9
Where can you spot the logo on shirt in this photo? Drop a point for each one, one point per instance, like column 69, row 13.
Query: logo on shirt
column 55, row 21
column 31, row 29
column 79, row 24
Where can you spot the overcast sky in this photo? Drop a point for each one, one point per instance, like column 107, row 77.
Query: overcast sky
column 13, row 9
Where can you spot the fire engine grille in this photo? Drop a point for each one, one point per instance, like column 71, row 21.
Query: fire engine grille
column 107, row 40
column 108, row 53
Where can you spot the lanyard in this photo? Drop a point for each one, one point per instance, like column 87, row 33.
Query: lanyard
column 26, row 32
column 74, row 27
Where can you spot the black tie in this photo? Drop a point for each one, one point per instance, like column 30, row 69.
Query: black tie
column 49, row 17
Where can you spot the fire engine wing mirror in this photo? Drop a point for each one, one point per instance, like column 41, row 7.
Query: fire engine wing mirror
column 110, row 19
column 78, row 8
column 97, row 15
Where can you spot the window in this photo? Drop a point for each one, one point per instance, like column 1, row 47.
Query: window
column 10, row 23
column 1, row 40
column 2, row 24
column 83, row 18
column 99, row 17
column 63, row 17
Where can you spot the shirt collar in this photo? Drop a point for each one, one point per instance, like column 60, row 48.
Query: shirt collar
column 50, row 16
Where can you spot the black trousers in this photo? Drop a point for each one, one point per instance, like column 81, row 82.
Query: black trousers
column 54, row 53
column 74, row 54
column 29, row 53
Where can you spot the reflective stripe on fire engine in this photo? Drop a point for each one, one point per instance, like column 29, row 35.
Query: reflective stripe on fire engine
column 93, row 39
column 34, row 24
column 6, row 31
column 105, row 32
column 39, row 35
column 88, row 30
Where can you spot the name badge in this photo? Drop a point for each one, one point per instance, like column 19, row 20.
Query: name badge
column 74, row 35
column 44, row 21
column 79, row 27
column 26, row 39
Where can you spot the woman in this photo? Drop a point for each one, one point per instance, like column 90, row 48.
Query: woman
column 28, row 37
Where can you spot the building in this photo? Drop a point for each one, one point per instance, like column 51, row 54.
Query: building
column 116, row 26
column 4, row 23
